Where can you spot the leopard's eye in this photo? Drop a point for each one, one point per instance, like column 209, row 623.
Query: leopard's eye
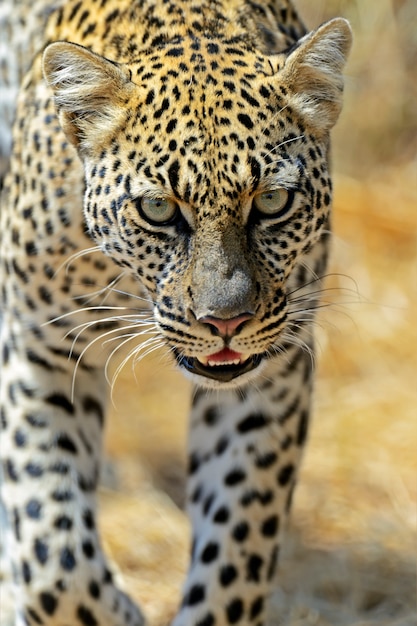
column 273, row 204
column 157, row 210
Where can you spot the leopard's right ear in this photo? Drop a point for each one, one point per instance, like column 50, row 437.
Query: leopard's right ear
column 91, row 93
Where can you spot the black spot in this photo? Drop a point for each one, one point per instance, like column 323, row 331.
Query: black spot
column 246, row 96
column 289, row 497
column 245, row 120
column 173, row 175
column 254, row 421
column 210, row 552
column 150, row 96
column 41, row 551
column 221, row 516
column 197, row 493
column 241, row 531
column 229, row 86
column 228, row 574
column 222, row 445
column 212, row 48
column 254, row 564
column 270, row 526
column 251, row 143
column 234, row 477
column 171, row 125
column 59, row 400
column 107, row 577
column 38, row 360
column 273, row 563
column 193, row 463
column 207, row 503
column 34, row 508
column 234, row 611
column 20, row 438
column 16, row 524
column 11, row 470
column 256, row 607
column 255, row 169
column 266, row 497
column 62, row 496
column 45, row 294
column 63, row 442
column 88, row 549
column 91, row 405
column 48, row 602
column 31, row 249
column 37, row 421
column 302, row 428
column 207, row 620
column 195, row 595
column 26, row 572
column 34, row 616
column 175, row 52
column 94, row 589
column 265, row 93
column 85, row 616
column 266, row 460
column 167, row 301
column 67, row 560
column 164, row 107
column 6, row 354
column 63, row 522
column 285, row 474
column 211, row 416
column 59, row 468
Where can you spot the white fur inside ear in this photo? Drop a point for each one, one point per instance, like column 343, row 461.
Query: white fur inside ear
column 313, row 73
column 89, row 92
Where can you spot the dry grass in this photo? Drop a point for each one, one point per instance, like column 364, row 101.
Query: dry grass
column 352, row 549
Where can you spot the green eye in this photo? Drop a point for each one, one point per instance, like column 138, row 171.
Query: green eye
column 274, row 204
column 158, row 210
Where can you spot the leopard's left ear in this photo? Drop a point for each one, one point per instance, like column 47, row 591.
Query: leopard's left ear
column 312, row 73
column 90, row 93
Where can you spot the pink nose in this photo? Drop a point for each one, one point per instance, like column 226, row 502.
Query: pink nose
column 228, row 327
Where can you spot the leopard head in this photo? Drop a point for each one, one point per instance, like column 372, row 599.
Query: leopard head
column 206, row 176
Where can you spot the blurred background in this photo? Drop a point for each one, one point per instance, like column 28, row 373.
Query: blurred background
column 351, row 554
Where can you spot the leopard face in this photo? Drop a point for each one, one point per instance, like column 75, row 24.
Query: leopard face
column 206, row 177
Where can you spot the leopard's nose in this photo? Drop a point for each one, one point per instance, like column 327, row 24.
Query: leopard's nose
column 226, row 327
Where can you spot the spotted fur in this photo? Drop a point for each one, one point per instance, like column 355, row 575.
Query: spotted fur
column 169, row 172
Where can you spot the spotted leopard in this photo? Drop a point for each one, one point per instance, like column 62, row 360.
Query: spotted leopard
column 169, row 173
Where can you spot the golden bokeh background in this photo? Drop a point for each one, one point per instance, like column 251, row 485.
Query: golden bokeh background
column 351, row 557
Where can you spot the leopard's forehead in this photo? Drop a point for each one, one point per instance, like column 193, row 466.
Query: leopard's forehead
column 203, row 56
column 208, row 119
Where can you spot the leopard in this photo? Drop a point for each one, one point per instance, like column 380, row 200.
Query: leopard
column 169, row 185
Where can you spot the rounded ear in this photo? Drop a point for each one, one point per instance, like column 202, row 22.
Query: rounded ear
column 312, row 72
column 90, row 92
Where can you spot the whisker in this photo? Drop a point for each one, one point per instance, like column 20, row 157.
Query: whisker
column 119, row 347
column 116, row 319
column 76, row 255
column 88, row 310
column 106, row 288
column 325, row 277
column 132, row 295
column 134, row 353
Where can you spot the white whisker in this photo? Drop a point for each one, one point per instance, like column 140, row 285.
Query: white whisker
column 106, row 289
column 77, row 255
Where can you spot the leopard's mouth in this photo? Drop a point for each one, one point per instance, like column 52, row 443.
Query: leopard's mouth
column 223, row 366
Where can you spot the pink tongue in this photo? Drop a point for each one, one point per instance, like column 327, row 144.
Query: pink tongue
column 225, row 355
